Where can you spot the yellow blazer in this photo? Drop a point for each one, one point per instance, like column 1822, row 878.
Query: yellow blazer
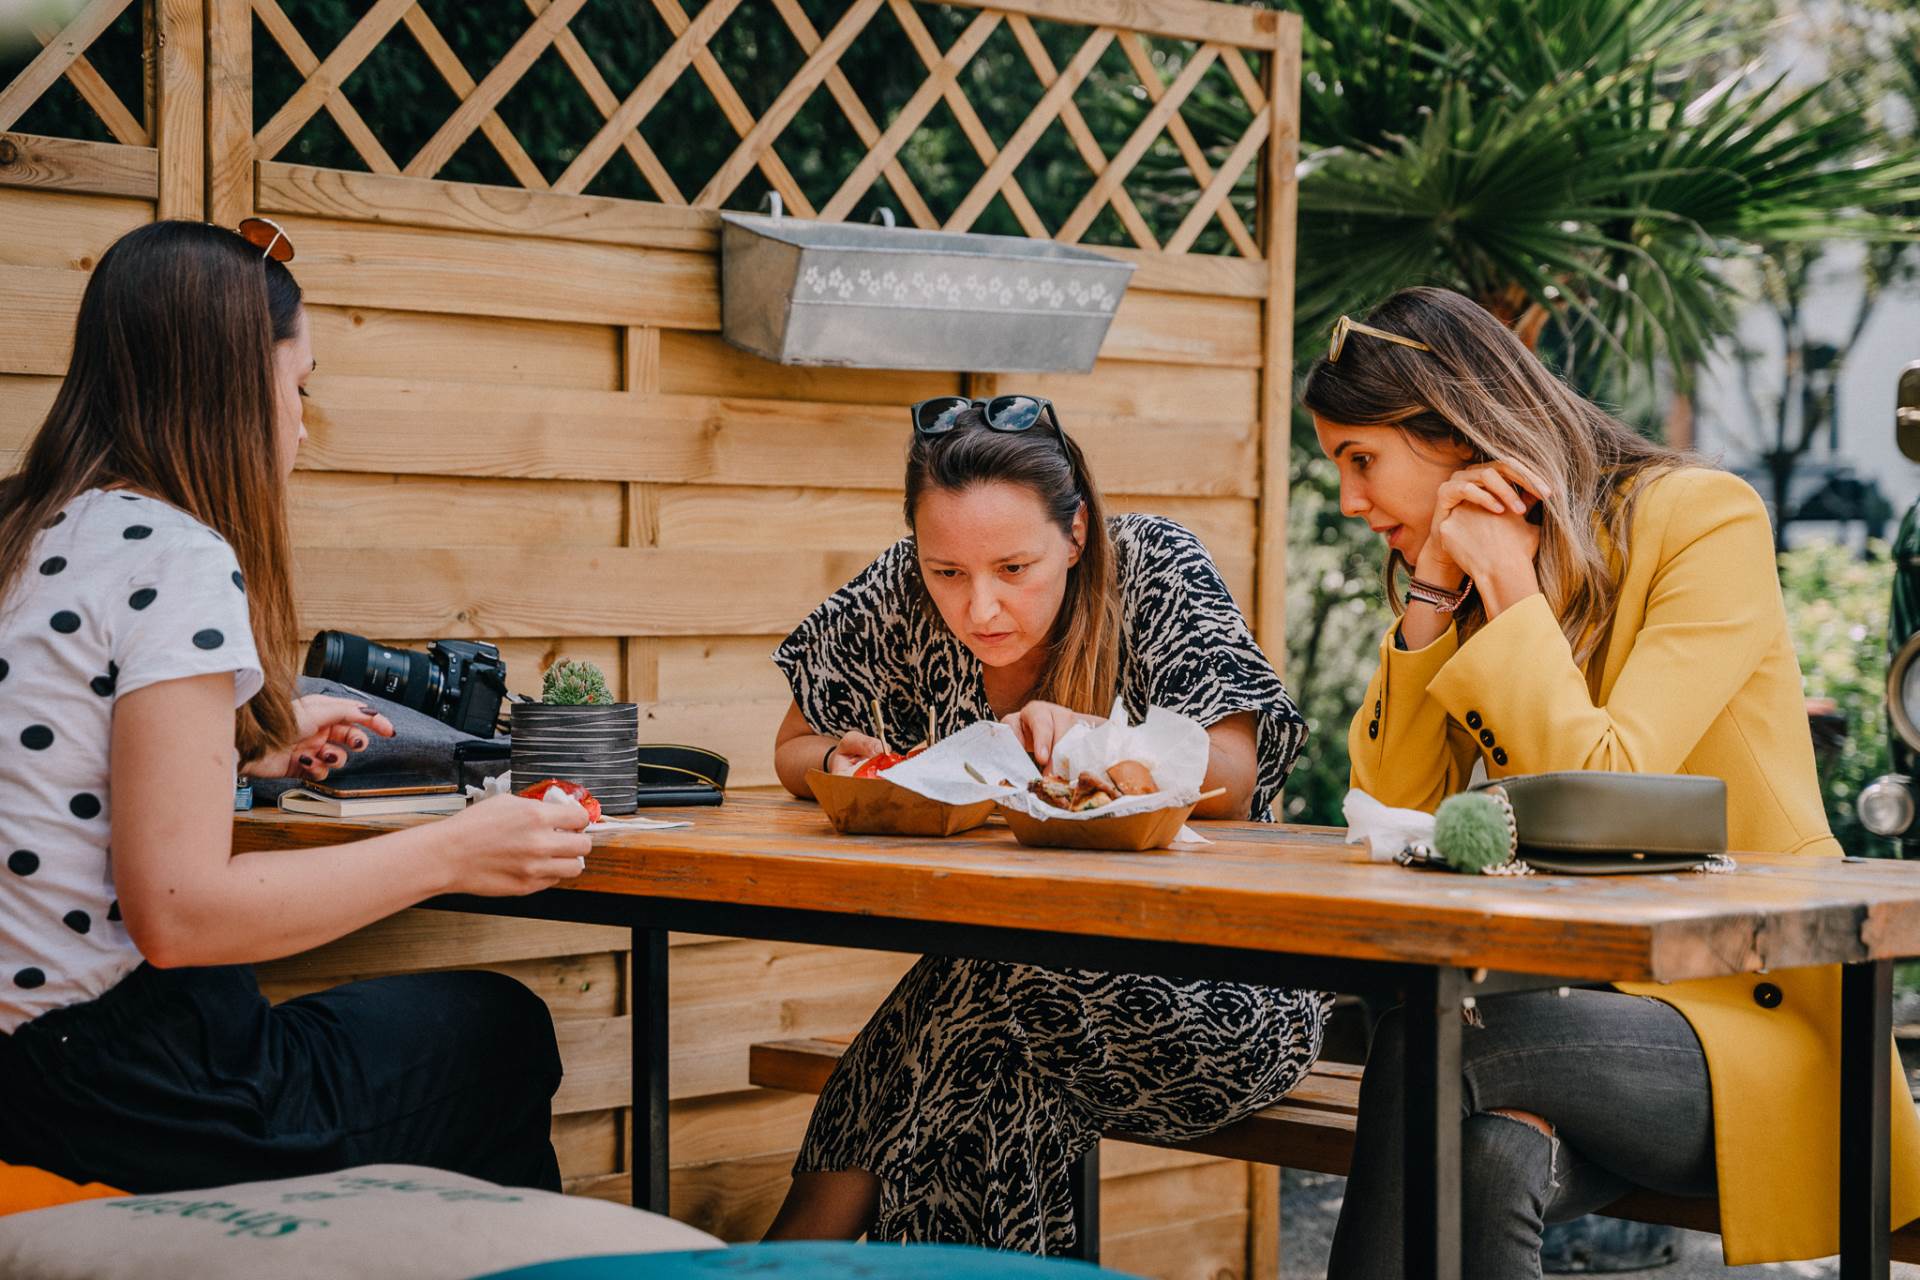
column 1697, row 676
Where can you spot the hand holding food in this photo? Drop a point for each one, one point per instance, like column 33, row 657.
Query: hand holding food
column 852, row 751
column 509, row 845
column 1042, row 724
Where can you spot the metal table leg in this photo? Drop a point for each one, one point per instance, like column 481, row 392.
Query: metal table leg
column 647, row 1004
column 1431, row 1177
column 1866, row 1084
column 1086, row 1207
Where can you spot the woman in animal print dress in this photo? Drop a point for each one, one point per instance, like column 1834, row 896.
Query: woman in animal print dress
column 960, row 1111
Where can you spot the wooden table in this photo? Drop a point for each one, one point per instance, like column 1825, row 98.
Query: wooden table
column 1264, row 903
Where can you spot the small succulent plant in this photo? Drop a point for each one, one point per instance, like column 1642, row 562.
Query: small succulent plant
column 572, row 684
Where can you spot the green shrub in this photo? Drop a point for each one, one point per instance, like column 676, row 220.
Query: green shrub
column 1837, row 605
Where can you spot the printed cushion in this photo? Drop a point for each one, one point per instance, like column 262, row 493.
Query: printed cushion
column 23, row 1187
column 379, row 1220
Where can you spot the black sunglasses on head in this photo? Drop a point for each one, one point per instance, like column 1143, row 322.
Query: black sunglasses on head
column 938, row 416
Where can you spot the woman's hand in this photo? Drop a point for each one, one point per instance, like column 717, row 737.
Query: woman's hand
column 505, row 846
column 1480, row 530
column 331, row 729
column 1042, row 724
column 852, row 749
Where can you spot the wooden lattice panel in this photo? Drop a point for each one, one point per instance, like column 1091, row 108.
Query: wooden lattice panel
column 63, row 53
column 1160, row 54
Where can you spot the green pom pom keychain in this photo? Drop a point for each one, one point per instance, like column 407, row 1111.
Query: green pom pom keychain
column 1473, row 832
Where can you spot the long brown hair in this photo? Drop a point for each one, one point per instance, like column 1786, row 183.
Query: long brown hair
column 1083, row 660
column 1481, row 388
column 170, row 392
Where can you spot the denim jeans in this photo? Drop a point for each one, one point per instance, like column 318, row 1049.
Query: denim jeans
column 1621, row 1079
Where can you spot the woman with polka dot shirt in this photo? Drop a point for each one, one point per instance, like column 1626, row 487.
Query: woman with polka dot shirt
column 146, row 644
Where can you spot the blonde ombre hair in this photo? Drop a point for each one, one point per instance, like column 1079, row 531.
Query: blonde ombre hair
column 1481, row 388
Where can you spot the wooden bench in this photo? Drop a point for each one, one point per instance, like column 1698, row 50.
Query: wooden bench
column 1311, row 1129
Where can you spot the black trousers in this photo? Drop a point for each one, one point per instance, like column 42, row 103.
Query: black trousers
column 185, row 1078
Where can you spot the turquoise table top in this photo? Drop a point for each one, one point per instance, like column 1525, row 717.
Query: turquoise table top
column 814, row 1260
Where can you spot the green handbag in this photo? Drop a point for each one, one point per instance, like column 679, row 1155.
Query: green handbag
column 1590, row 822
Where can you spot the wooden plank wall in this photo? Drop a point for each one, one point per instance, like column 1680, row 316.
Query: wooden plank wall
column 445, row 493
column 526, row 428
column 583, row 468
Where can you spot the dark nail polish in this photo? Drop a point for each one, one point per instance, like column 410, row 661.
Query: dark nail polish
column 306, row 759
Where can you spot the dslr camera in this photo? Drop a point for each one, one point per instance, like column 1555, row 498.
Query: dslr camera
column 458, row 682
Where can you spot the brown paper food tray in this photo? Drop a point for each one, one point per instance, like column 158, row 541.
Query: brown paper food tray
column 1134, row 833
column 876, row 807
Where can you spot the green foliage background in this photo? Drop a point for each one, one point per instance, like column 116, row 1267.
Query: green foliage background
column 1592, row 160
column 1837, row 606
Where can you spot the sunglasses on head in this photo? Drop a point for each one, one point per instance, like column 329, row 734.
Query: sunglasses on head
column 1344, row 326
column 269, row 237
column 938, row 416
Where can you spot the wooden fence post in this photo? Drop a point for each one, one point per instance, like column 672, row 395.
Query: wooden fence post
column 1281, row 198
column 229, row 110
column 179, row 118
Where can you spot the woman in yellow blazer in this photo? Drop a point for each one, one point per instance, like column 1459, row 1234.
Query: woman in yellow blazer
column 1581, row 598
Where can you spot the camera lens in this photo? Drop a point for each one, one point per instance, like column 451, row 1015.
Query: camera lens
column 399, row 675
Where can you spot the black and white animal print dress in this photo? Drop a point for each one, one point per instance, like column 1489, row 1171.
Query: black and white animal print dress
column 977, row 1085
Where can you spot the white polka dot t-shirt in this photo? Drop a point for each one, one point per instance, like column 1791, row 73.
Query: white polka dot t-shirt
column 119, row 592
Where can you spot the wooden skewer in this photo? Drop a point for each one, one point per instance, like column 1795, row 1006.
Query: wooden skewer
column 1208, row 795
column 879, row 724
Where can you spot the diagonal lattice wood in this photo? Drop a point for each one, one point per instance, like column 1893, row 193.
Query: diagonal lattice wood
column 645, row 97
column 1136, row 145
column 52, row 62
column 787, row 104
column 728, row 99
column 306, row 62
column 857, row 115
column 98, row 94
column 964, row 115
column 487, row 95
column 1213, row 197
column 1190, row 148
column 329, row 76
column 943, row 76
column 1076, row 125
column 1044, row 113
column 454, row 72
column 1235, row 61
column 606, row 102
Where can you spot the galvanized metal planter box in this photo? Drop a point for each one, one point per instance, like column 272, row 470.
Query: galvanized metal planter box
column 877, row 297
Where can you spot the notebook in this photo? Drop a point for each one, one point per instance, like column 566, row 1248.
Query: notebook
column 300, row 800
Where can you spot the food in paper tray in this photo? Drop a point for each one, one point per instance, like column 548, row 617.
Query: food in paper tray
column 572, row 790
column 1131, row 778
column 1091, row 791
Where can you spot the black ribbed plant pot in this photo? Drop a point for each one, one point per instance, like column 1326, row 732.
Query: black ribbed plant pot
column 593, row 744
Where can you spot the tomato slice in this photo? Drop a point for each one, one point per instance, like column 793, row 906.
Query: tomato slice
column 874, row 766
column 538, row 791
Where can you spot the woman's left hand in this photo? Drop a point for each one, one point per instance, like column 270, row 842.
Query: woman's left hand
column 1484, row 530
column 1041, row 724
column 331, row 730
